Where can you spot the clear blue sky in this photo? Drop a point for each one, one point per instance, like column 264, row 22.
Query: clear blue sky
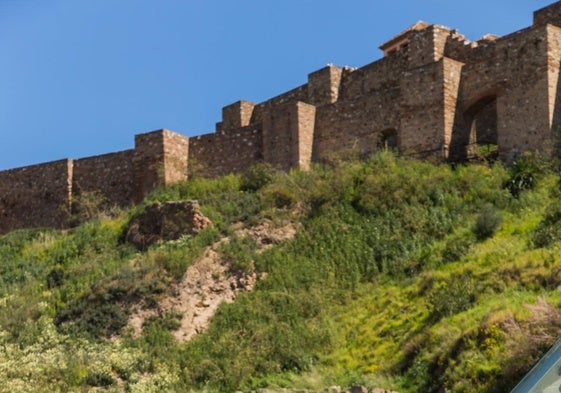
column 81, row 77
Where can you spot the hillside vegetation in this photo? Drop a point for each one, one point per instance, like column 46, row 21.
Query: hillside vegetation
column 403, row 274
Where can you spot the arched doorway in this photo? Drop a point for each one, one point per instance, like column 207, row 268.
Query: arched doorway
column 475, row 134
column 482, row 120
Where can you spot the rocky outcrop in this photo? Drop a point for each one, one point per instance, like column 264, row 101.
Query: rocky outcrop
column 165, row 221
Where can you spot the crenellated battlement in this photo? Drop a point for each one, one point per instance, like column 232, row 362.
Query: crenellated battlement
column 434, row 94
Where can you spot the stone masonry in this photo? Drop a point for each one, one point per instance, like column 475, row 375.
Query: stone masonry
column 434, row 94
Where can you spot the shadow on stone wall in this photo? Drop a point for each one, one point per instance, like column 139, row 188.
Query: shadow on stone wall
column 474, row 127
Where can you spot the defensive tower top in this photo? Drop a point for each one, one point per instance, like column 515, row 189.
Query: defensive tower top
column 401, row 40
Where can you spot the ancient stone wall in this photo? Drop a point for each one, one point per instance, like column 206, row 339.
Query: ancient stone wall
column 35, row 196
column 288, row 133
column 355, row 126
column 148, row 162
column 458, row 47
column 176, row 157
column 160, row 157
column 513, row 69
column 452, row 72
column 298, row 94
column 222, row 153
column 427, row 46
column 236, row 115
column 109, row 175
column 506, row 91
column 379, row 76
column 434, row 94
column 550, row 14
column 324, row 85
column 303, row 132
column 278, row 139
column 422, row 110
column 368, row 104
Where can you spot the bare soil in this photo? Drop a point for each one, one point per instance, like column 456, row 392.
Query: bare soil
column 210, row 281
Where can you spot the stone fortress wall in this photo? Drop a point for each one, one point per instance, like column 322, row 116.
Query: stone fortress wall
column 434, row 94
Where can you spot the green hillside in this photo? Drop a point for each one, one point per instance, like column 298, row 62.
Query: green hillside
column 403, row 275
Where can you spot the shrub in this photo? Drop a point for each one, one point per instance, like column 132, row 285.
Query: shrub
column 281, row 194
column 176, row 255
column 105, row 310
column 87, row 205
column 157, row 340
column 55, row 277
column 486, row 152
column 548, row 230
column 257, row 176
column 452, row 297
column 527, row 341
column 234, row 206
column 169, row 321
column 488, row 221
column 525, row 171
column 456, row 248
column 16, row 316
column 100, row 379
column 258, row 335
column 239, row 251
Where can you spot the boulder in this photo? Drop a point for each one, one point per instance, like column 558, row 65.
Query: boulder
column 165, row 221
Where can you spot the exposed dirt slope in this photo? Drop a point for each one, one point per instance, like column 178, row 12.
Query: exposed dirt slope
column 210, row 281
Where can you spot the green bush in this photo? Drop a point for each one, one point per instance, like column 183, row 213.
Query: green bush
column 257, row 176
column 456, row 248
column 100, row 379
column 169, row 321
column 157, row 340
column 448, row 298
column 105, row 310
column 525, row 172
column 86, row 206
column 240, row 253
column 17, row 316
column 55, row 277
column 175, row 256
column 486, row 152
column 548, row 230
column 488, row 221
column 281, row 194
